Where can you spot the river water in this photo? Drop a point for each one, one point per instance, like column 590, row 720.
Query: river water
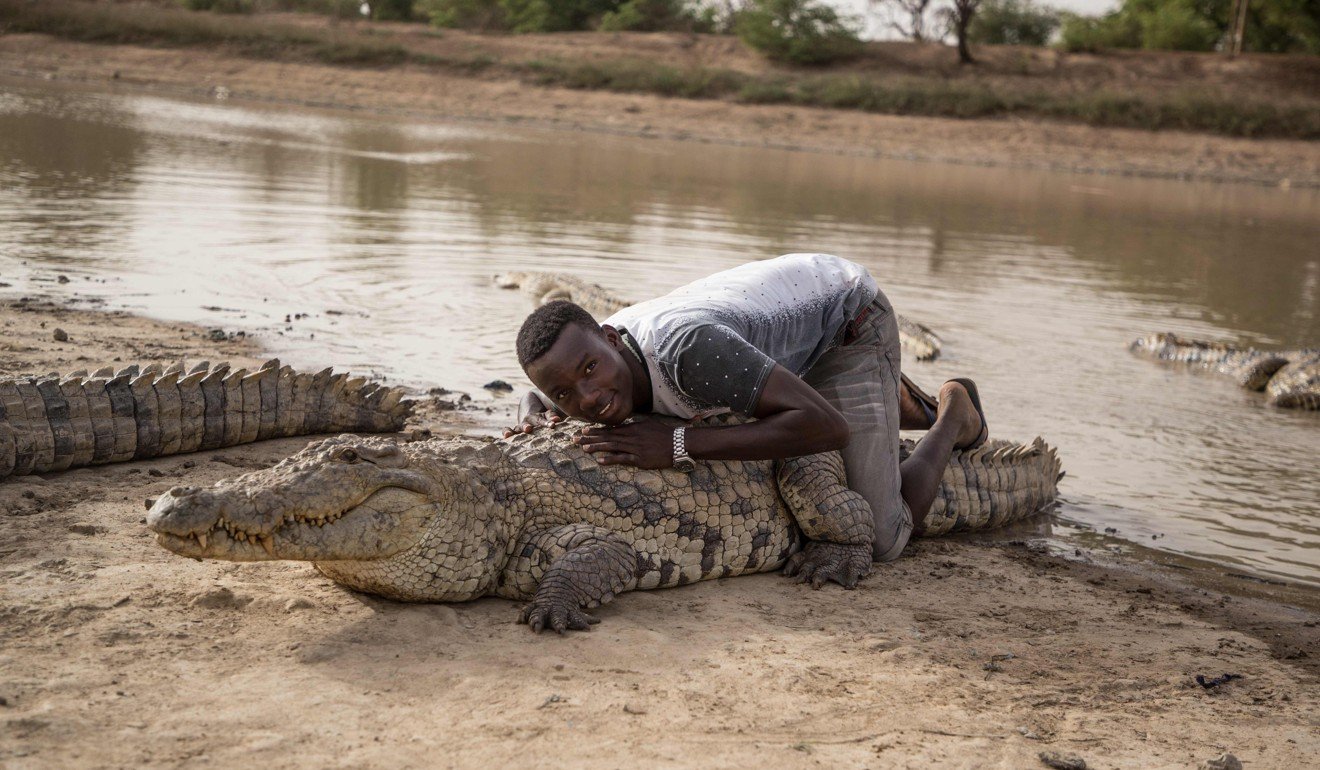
column 386, row 233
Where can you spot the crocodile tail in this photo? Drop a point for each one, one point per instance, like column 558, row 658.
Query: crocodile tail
column 918, row 339
column 52, row 423
column 1297, row 385
column 992, row 485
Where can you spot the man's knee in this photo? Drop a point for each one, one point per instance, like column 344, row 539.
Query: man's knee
column 892, row 536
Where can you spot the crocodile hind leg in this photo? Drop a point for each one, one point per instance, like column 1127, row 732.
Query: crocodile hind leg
column 837, row 522
column 583, row 567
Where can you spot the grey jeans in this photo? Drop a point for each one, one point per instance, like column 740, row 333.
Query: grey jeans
column 860, row 378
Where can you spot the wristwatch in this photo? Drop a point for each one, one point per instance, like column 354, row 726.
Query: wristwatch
column 681, row 460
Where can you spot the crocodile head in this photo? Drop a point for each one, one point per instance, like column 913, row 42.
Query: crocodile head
column 366, row 510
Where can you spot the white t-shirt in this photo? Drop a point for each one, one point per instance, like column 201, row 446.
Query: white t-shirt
column 710, row 345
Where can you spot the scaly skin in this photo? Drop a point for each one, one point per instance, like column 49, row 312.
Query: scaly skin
column 1291, row 378
column 535, row 518
column 51, row 423
column 597, row 300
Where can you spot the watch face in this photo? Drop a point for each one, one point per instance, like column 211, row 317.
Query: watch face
column 684, row 464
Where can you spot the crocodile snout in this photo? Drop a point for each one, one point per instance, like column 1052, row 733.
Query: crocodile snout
column 184, row 511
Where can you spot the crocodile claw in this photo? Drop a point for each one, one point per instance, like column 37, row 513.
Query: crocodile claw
column 819, row 563
column 557, row 616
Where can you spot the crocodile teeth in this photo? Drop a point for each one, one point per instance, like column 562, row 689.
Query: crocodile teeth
column 268, row 543
column 201, row 538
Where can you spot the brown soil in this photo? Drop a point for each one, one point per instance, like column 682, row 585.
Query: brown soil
column 117, row 653
column 1011, row 142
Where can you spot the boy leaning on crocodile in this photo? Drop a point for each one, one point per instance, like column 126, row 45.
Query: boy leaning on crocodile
column 806, row 343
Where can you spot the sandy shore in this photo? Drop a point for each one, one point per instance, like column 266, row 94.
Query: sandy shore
column 115, row 652
column 408, row 90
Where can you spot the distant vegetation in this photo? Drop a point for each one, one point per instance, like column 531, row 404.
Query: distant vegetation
column 1273, row 26
column 863, row 86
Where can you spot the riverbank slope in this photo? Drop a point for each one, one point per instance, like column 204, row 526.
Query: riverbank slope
column 522, row 80
column 119, row 653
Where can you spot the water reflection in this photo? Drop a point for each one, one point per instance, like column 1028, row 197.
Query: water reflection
column 1036, row 281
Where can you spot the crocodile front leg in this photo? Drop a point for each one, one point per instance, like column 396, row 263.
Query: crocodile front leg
column 588, row 566
column 836, row 521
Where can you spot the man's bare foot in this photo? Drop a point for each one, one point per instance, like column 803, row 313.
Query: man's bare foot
column 956, row 404
column 912, row 414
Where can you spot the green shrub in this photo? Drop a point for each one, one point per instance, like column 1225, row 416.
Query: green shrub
column 648, row 16
column 221, row 6
column 1176, row 26
column 463, row 14
column 1013, row 22
column 1090, row 33
column 798, row 31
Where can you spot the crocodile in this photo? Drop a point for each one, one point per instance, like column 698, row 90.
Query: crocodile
column 53, row 423
column 535, row 518
column 1290, row 378
column 543, row 287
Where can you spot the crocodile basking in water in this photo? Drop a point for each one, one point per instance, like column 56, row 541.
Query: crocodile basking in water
column 537, row 519
column 1290, row 378
column 919, row 340
column 53, row 423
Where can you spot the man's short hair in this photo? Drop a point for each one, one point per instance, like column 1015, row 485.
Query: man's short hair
column 545, row 324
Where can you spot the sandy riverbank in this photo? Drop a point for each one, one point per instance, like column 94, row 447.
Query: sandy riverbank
column 118, row 653
column 428, row 93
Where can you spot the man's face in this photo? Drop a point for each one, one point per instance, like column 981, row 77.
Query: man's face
column 586, row 376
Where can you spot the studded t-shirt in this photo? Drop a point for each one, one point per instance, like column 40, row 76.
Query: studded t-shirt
column 710, row 345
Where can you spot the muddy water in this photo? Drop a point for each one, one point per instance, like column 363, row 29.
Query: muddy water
column 385, row 233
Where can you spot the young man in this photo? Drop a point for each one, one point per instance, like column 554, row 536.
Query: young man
column 806, row 343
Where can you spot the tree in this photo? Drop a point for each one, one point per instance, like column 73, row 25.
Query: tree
column 958, row 16
column 1013, row 22
column 906, row 17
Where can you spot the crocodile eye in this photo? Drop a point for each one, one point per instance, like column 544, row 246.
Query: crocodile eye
column 348, row 456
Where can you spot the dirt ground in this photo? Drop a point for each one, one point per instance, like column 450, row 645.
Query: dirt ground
column 117, row 653
column 426, row 93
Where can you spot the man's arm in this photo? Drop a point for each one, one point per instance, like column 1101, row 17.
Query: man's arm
column 534, row 411
column 792, row 420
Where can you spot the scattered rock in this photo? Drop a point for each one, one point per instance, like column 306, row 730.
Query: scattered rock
column 86, row 529
column 217, row 335
column 1060, row 761
column 147, row 503
column 499, row 385
column 190, row 464
column 220, row 598
column 438, row 392
column 633, row 708
column 298, row 603
column 556, row 698
column 61, row 335
column 155, row 472
column 29, row 494
column 1224, row 761
column 62, row 278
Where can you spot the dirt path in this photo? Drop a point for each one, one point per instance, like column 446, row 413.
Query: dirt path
column 412, row 91
column 116, row 653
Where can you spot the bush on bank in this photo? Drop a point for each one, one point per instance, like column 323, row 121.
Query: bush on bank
column 1190, row 110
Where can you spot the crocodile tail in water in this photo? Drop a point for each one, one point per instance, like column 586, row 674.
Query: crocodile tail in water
column 1249, row 367
column 997, row 483
column 1297, row 385
column 53, row 423
column 918, row 339
column 547, row 287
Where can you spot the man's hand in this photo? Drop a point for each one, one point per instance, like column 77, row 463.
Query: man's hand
column 644, row 442
column 534, row 413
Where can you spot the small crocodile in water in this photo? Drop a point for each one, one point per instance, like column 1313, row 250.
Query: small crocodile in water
column 919, row 340
column 52, row 423
column 536, row 518
column 1290, row 378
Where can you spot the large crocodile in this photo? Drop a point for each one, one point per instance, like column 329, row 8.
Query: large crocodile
column 542, row 287
column 1290, row 378
column 536, row 518
column 52, row 423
